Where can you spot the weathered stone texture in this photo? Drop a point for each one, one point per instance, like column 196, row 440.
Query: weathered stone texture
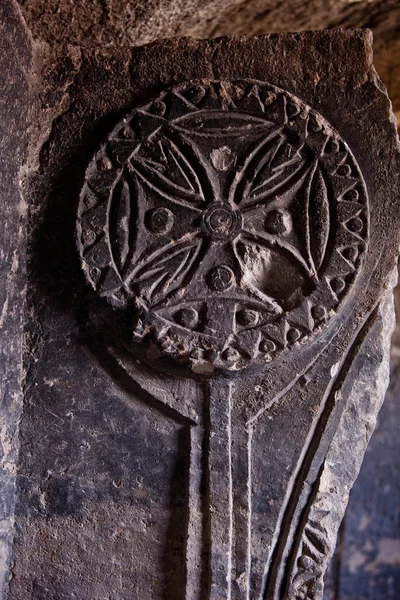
column 126, row 476
column 108, row 22
column 15, row 56
column 124, row 472
column 366, row 560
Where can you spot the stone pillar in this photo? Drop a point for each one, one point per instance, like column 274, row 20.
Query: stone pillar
column 213, row 235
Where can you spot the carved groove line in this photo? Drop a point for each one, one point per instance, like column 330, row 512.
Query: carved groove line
column 274, row 583
column 229, row 571
column 226, row 223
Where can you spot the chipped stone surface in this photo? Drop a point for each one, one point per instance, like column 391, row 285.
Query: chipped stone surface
column 14, row 104
column 100, row 23
column 138, row 476
column 354, row 431
column 366, row 560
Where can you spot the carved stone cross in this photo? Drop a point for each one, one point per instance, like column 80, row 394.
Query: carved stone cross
column 232, row 219
column 235, row 208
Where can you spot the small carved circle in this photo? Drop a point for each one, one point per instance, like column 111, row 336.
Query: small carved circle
column 220, row 279
column 293, row 335
column 196, row 93
column 88, row 236
column 95, row 274
column 306, row 562
column 275, row 222
column 159, row 220
column 355, row 225
column 158, row 108
column 267, row 346
column 292, row 109
column 332, row 146
column 338, row 285
column 247, row 318
column 220, row 221
column 351, row 253
column 344, row 170
column 231, row 355
column 351, row 195
column 318, row 313
column 187, row 317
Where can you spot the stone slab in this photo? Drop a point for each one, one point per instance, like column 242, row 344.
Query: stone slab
column 140, row 476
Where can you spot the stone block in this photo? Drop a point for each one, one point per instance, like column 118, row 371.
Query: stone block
column 213, row 232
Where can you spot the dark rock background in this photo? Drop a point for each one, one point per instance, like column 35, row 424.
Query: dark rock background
column 367, row 561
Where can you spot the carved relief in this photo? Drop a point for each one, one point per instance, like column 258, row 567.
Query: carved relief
column 231, row 215
column 230, row 221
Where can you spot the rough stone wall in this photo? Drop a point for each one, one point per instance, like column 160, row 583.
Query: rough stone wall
column 91, row 23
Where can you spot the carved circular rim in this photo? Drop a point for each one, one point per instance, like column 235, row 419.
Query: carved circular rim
column 199, row 133
column 221, row 221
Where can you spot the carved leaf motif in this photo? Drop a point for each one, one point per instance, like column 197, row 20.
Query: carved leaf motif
column 307, row 581
column 317, row 543
column 165, row 271
column 167, row 169
column 215, row 124
column 122, row 225
column 318, row 216
column 272, row 168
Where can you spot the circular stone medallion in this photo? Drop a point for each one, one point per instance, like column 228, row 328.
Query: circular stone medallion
column 231, row 214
